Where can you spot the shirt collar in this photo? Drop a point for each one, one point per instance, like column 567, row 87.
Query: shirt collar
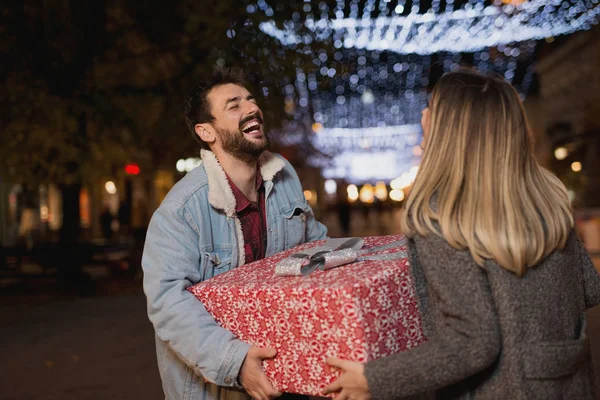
column 241, row 201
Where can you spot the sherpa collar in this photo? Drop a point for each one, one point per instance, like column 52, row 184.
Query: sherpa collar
column 220, row 195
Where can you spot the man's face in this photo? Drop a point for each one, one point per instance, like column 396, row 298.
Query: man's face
column 238, row 122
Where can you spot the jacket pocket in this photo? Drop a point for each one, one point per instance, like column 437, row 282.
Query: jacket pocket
column 295, row 224
column 556, row 359
column 216, row 262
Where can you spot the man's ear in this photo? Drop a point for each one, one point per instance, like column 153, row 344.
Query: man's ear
column 205, row 132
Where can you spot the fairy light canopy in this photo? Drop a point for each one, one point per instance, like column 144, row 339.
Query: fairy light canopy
column 364, row 97
column 474, row 26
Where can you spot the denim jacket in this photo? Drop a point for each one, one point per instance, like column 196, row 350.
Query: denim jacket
column 193, row 236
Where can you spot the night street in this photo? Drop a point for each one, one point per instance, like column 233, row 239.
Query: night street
column 206, row 135
column 84, row 349
column 98, row 348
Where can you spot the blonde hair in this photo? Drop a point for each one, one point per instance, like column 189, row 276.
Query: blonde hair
column 479, row 186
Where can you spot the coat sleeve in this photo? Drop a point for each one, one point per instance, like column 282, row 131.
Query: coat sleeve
column 171, row 264
column 591, row 278
column 469, row 340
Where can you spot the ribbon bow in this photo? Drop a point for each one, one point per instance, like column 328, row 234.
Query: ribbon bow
column 332, row 254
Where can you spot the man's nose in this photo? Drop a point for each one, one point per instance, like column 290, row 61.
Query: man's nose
column 251, row 108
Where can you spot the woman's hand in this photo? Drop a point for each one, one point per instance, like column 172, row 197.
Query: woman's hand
column 352, row 384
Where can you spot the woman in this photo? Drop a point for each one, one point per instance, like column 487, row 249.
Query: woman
column 503, row 282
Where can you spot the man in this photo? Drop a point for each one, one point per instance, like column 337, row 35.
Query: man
column 241, row 204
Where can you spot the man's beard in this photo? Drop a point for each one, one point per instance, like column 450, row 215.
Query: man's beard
column 236, row 144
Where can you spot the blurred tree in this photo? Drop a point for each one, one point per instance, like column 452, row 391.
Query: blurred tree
column 56, row 127
column 90, row 86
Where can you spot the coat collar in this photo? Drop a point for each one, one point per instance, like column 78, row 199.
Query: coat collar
column 220, row 195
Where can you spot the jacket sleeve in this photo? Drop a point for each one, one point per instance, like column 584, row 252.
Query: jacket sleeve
column 469, row 340
column 171, row 264
column 591, row 277
column 314, row 229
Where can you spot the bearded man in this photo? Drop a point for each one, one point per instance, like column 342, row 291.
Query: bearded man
column 241, row 204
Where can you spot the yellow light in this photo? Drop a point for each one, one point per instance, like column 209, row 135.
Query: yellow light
column 110, row 187
column 576, row 166
column 290, row 106
column 191, row 163
column 405, row 180
column 397, row 195
column 316, row 127
column 352, row 193
column 44, row 213
column 561, row 153
column 366, row 193
column 311, row 197
column 417, row 151
column 308, row 195
column 180, row 165
column 412, row 175
column 381, row 191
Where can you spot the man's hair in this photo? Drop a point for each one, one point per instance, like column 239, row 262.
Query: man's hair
column 197, row 107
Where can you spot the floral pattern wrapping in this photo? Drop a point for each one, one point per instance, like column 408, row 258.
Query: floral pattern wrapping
column 361, row 311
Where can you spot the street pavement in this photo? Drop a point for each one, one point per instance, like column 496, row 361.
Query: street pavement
column 64, row 347
column 83, row 348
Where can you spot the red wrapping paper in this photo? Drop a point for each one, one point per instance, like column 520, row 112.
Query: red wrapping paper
column 361, row 311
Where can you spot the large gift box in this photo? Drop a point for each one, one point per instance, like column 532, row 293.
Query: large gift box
column 363, row 310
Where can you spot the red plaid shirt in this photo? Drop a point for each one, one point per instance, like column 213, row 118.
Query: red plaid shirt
column 253, row 219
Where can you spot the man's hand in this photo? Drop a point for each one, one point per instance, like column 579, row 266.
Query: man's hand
column 253, row 378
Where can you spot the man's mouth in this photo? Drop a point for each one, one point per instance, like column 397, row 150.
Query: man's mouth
column 252, row 127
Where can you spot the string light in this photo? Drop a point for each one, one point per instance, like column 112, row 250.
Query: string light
column 364, row 101
column 561, row 153
column 468, row 29
column 397, row 195
column 366, row 194
column 180, row 166
column 308, row 195
column 381, row 191
column 110, row 187
column 188, row 164
column 330, row 187
column 352, row 192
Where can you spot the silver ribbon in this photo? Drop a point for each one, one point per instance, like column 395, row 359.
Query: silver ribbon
column 335, row 253
column 293, row 264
